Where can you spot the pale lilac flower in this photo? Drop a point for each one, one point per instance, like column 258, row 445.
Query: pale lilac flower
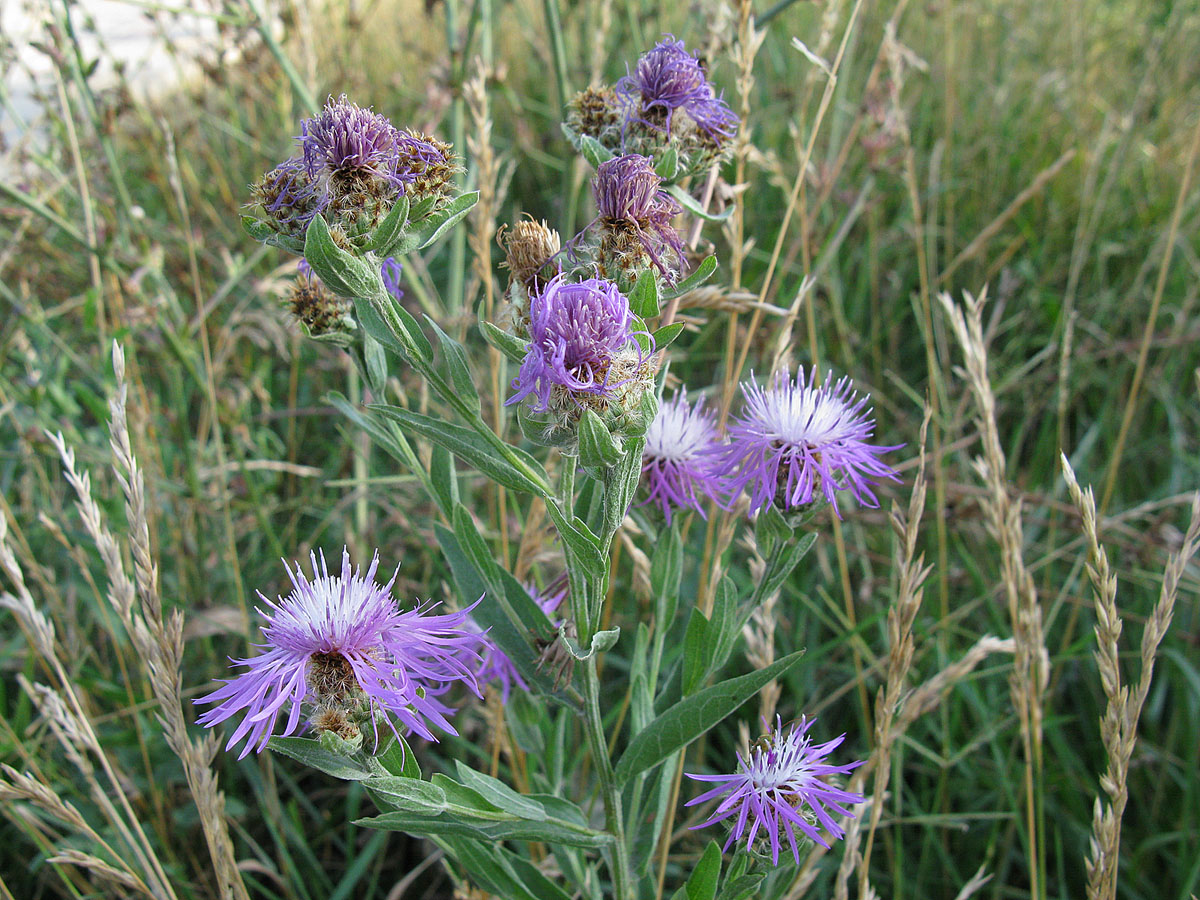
column 800, row 439
column 780, row 786
column 497, row 667
column 668, row 78
column 681, row 456
column 633, row 210
column 576, row 332
column 337, row 641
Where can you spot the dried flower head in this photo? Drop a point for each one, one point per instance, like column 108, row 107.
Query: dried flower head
column 289, row 196
column 428, row 166
column 668, row 79
column 597, row 113
column 497, row 668
column 581, row 342
column 341, row 642
column 779, row 787
column 322, row 311
column 798, row 439
column 679, row 462
column 635, row 219
column 529, row 246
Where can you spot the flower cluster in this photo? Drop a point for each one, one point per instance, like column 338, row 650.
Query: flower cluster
column 339, row 647
column 635, row 220
column 351, row 167
column 668, row 84
column 666, row 102
column 496, row 667
column 582, row 346
column 800, row 440
column 679, row 462
column 781, row 787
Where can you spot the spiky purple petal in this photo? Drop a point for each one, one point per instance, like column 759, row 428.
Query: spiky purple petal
column 680, row 460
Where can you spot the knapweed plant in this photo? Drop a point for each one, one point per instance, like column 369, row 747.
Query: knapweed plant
column 347, row 673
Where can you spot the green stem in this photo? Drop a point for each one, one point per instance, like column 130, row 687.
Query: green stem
column 289, row 70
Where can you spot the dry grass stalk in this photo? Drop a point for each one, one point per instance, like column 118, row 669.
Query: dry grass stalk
column 94, row 864
column 916, row 704
column 759, row 633
column 1118, row 728
column 901, row 616
column 1031, row 663
column 977, row 881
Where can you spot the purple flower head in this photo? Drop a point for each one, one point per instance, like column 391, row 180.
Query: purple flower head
column 577, row 331
column 681, row 455
column 391, row 271
column 780, row 785
column 497, row 667
column 798, row 438
column 669, row 78
column 341, row 641
column 349, row 141
column 631, row 206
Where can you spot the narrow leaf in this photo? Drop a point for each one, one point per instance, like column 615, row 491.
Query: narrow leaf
column 692, row 205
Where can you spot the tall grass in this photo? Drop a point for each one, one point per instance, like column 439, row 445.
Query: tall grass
column 1041, row 151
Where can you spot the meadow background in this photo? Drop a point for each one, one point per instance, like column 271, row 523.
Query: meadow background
column 1045, row 150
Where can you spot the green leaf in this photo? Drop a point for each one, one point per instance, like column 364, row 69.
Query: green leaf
column 393, row 326
column 696, row 650
column 667, row 166
column 597, row 449
column 692, row 205
column 499, row 793
column 397, row 759
column 703, row 272
column 343, row 273
column 389, row 230
column 407, row 794
column 665, row 336
column 702, row 883
column 582, row 545
column 443, row 477
column 666, row 572
column 504, row 828
column 257, row 228
column 524, row 719
column 780, row 565
column 376, row 360
column 311, row 753
column 454, row 359
column 741, row 888
column 601, row 641
column 509, row 344
column 446, row 218
column 593, row 151
column 643, row 298
column 474, row 450
column 621, row 483
column 692, row 716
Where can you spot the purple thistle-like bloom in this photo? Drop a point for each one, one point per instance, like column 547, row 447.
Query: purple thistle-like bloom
column 781, row 776
column 668, row 78
column 497, row 666
column 800, row 437
column 345, row 139
column 576, row 331
column 681, row 455
column 338, row 640
column 628, row 196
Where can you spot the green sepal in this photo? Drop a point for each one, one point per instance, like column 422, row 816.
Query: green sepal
column 703, row 272
column 692, row 205
column 509, row 344
column 643, row 298
column 667, row 166
column 390, row 229
column 597, row 448
column 593, row 151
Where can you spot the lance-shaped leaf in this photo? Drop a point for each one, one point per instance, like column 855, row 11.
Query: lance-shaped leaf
column 703, row 272
column 593, row 151
column 509, row 344
column 311, row 753
column 389, row 230
column 692, row 205
column 343, row 273
column 473, row 449
column 692, row 716
column 597, row 448
column 643, row 297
